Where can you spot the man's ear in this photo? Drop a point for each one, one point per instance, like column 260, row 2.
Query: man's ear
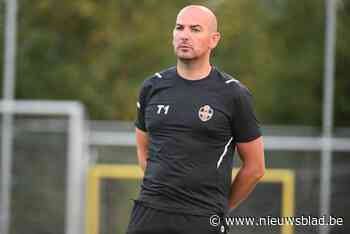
column 215, row 38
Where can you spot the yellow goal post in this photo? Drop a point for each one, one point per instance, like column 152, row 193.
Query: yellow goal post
column 131, row 171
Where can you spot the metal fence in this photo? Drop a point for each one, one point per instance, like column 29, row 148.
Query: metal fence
column 36, row 164
column 58, row 185
column 297, row 149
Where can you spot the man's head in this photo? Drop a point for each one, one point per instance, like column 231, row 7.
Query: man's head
column 195, row 33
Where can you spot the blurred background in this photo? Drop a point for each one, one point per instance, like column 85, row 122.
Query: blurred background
column 87, row 60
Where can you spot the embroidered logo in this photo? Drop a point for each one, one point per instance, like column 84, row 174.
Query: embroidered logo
column 205, row 113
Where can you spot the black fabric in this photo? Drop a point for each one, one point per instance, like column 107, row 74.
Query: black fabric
column 146, row 220
column 193, row 128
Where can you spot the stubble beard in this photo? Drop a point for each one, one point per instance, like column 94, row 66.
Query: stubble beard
column 185, row 58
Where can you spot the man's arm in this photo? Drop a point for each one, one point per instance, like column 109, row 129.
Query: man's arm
column 142, row 142
column 252, row 170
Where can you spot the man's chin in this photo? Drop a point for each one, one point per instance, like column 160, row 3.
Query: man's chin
column 185, row 58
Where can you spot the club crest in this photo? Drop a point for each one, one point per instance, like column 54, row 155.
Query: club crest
column 205, row 113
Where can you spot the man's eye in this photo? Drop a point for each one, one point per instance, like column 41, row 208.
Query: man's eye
column 178, row 27
column 196, row 30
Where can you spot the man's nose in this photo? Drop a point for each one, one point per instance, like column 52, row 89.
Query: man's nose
column 184, row 35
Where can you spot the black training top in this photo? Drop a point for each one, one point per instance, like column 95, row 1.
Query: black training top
column 193, row 127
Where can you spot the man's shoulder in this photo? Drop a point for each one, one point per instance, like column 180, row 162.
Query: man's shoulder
column 230, row 83
column 160, row 76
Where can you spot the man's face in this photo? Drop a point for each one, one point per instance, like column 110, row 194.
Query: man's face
column 194, row 35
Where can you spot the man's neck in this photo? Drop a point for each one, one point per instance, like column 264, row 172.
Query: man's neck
column 193, row 71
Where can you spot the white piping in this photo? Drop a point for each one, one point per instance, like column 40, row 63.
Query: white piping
column 232, row 80
column 223, row 153
column 159, row 75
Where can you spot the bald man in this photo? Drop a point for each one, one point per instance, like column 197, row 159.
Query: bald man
column 190, row 119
